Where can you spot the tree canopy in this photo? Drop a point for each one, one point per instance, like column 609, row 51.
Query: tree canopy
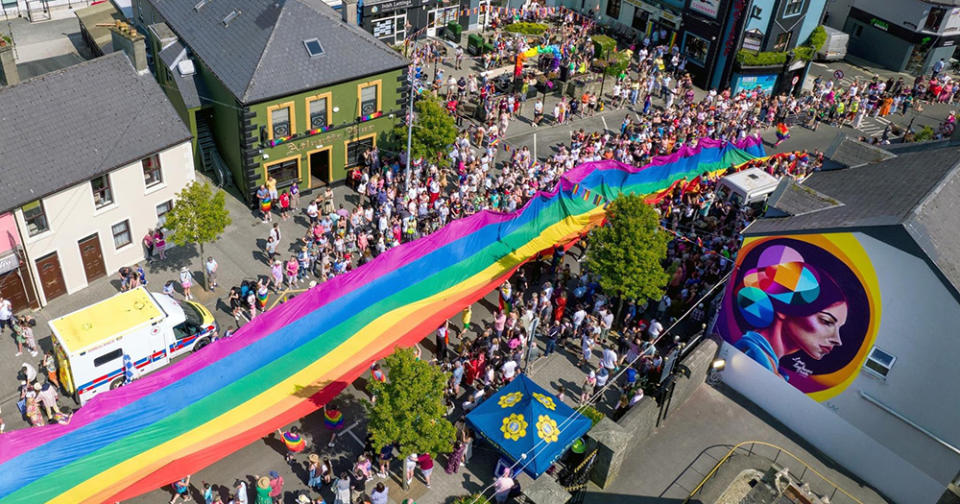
column 409, row 407
column 627, row 253
column 199, row 215
column 433, row 129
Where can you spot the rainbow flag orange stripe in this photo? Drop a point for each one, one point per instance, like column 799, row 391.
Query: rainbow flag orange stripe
column 286, row 363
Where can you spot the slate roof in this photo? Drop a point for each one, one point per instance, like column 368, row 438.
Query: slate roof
column 919, row 192
column 881, row 194
column 260, row 54
column 791, row 199
column 70, row 125
column 191, row 87
column 847, row 152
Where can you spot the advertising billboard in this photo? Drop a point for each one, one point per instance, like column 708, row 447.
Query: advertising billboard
column 766, row 83
column 805, row 307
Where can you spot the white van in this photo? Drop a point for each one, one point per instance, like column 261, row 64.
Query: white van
column 147, row 329
column 835, row 47
column 747, row 187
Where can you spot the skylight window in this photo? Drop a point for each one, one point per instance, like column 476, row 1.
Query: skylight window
column 199, row 5
column 230, row 17
column 313, row 47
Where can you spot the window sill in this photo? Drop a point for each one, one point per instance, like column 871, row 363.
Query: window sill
column 39, row 236
column 122, row 248
column 104, row 209
column 154, row 188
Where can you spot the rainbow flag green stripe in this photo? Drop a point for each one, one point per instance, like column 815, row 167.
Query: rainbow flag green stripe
column 289, row 361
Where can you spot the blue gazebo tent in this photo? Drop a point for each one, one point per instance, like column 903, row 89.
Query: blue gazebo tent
column 523, row 418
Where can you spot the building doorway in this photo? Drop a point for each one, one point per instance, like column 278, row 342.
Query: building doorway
column 319, row 162
column 92, row 257
column 51, row 277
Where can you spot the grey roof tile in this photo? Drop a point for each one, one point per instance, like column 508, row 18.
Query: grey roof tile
column 70, row 125
column 260, row 54
column 880, row 194
column 919, row 192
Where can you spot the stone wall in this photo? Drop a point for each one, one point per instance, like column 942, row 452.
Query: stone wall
column 613, row 440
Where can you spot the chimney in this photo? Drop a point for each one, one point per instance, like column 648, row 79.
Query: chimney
column 8, row 65
column 349, row 12
column 127, row 39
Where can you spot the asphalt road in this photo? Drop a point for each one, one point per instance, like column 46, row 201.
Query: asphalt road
column 240, row 257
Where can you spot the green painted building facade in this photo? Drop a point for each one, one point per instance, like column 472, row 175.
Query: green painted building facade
column 301, row 105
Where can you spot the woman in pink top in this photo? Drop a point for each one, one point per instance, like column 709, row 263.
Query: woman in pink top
column 292, row 268
column 159, row 244
column 499, row 322
column 276, row 272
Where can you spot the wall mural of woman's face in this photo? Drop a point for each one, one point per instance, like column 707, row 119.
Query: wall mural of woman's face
column 815, row 300
column 817, row 334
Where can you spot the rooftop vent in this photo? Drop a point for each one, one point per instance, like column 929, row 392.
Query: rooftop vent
column 230, row 17
column 313, row 47
column 186, row 68
column 200, row 5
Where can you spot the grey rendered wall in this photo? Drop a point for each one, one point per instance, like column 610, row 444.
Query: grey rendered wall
column 877, row 46
column 918, row 324
column 839, row 440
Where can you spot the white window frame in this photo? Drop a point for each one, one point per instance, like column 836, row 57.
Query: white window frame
column 791, row 3
column 113, row 234
column 108, row 190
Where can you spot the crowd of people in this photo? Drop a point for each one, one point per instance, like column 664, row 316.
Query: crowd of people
column 552, row 304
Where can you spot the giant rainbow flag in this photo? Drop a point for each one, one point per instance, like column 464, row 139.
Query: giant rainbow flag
column 288, row 362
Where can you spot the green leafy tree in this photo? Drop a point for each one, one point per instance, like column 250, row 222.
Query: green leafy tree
column 409, row 407
column 198, row 216
column 433, row 130
column 627, row 254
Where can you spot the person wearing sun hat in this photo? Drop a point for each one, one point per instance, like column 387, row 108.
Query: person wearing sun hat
column 263, row 490
column 314, row 472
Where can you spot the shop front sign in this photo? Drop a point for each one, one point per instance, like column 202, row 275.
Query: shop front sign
column 709, row 8
column 9, row 262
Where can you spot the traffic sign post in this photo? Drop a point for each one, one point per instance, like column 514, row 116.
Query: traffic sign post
column 793, row 83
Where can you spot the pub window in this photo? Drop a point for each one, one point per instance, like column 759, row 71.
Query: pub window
column 793, row 7
column 35, row 218
column 640, row 17
column 356, row 149
column 369, row 102
column 783, row 41
column 696, row 49
column 121, row 234
column 285, row 172
column 613, row 8
column 281, row 120
column 151, row 170
column 317, row 108
column 102, row 195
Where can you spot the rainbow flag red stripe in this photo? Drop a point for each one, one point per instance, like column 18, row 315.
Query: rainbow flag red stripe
column 287, row 362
